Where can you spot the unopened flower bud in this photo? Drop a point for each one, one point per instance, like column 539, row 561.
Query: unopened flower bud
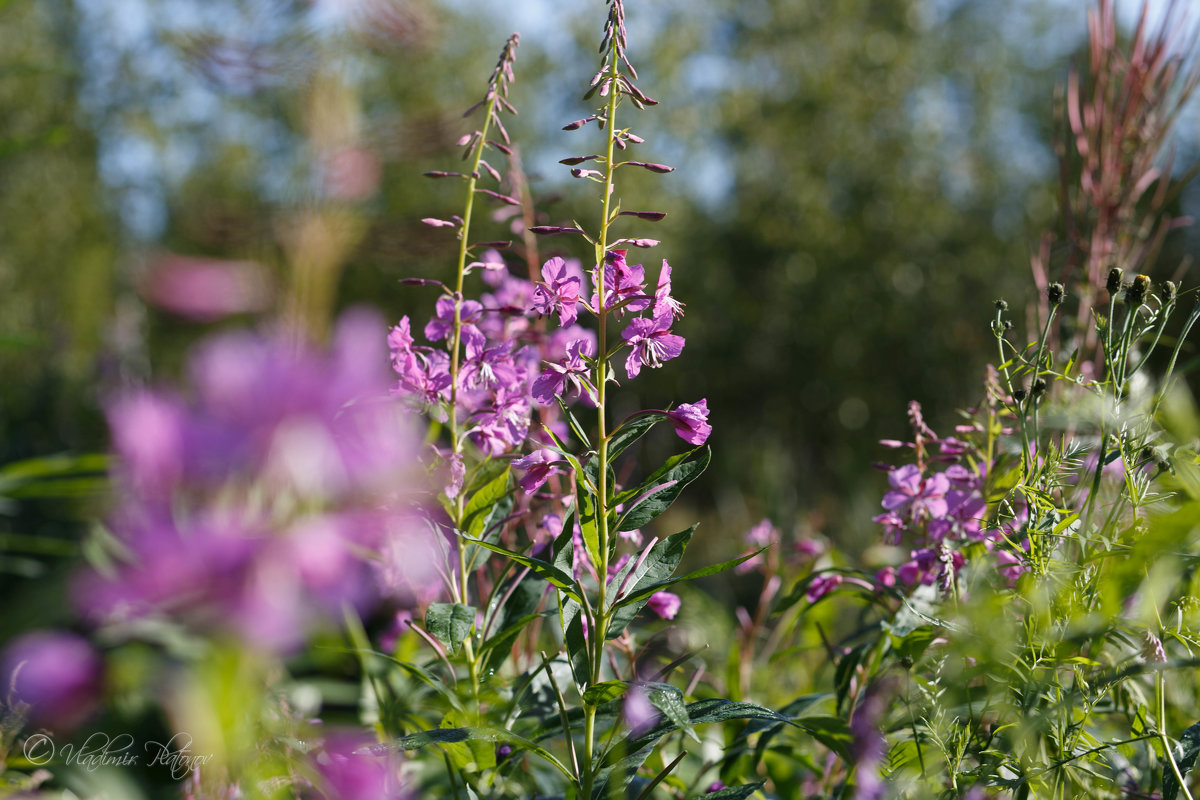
column 1039, row 387
column 1019, row 395
column 1055, row 293
column 1002, row 305
column 1008, row 324
column 1135, row 293
column 1114, row 280
column 1167, row 291
column 1152, row 648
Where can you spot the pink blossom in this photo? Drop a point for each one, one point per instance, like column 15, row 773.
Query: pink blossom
column 665, row 604
column 690, row 421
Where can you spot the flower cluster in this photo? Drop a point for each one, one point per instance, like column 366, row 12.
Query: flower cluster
column 934, row 509
column 247, row 506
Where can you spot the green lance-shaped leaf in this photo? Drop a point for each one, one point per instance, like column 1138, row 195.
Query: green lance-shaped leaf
column 604, row 692
column 631, row 430
column 544, row 570
column 487, row 506
column 657, row 567
column 585, row 513
column 514, row 607
column 572, row 620
column 659, row 491
column 1185, row 759
column 669, row 701
column 478, row 734
column 450, row 623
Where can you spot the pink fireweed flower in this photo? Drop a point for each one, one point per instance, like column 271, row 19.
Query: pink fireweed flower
column 424, row 377
column 822, row 585
column 920, row 498
column 400, row 338
column 665, row 604
column 488, row 366
column 640, row 715
column 663, row 302
column 56, row 677
column 442, row 325
column 690, row 421
column 351, row 769
column 569, row 379
column 761, row 535
column 651, row 343
column 539, row 466
column 622, row 283
column 559, row 293
column 218, row 540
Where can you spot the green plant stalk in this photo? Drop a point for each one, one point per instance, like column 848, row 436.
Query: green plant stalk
column 461, row 593
column 1037, row 371
column 1160, row 698
column 1163, row 314
column 598, row 630
column 999, row 331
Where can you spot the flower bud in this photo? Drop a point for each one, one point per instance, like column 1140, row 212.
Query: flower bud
column 1114, row 280
column 1039, row 387
column 1167, row 291
column 1135, row 293
column 1019, row 395
column 1055, row 293
column 1002, row 305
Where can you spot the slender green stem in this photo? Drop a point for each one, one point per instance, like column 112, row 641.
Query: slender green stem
column 461, row 592
column 1003, row 366
column 1160, row 697
column 598, row 628
column 1037, row 371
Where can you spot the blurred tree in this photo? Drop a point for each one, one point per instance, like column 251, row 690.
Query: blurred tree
column 57, row 241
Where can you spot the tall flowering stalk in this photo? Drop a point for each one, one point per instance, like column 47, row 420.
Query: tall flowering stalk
column 595, row 558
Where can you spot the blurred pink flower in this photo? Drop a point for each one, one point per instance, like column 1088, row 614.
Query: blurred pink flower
column 205, row 289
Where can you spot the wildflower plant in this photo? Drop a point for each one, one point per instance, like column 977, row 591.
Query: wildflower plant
column 1031, row 630
column 569, row 526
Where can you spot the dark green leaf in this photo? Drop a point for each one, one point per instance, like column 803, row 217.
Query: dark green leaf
column 547, row 572
column 669, row 701
column 604, row 692
column 631, row 430
column 732, row 792
column 625, row 758
column 833, row 732
column 660, row 489
column 576, row 427
column 572, row 618
column 450, row 623
column 484, row 508
column 664, row 557
column 585, row 511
